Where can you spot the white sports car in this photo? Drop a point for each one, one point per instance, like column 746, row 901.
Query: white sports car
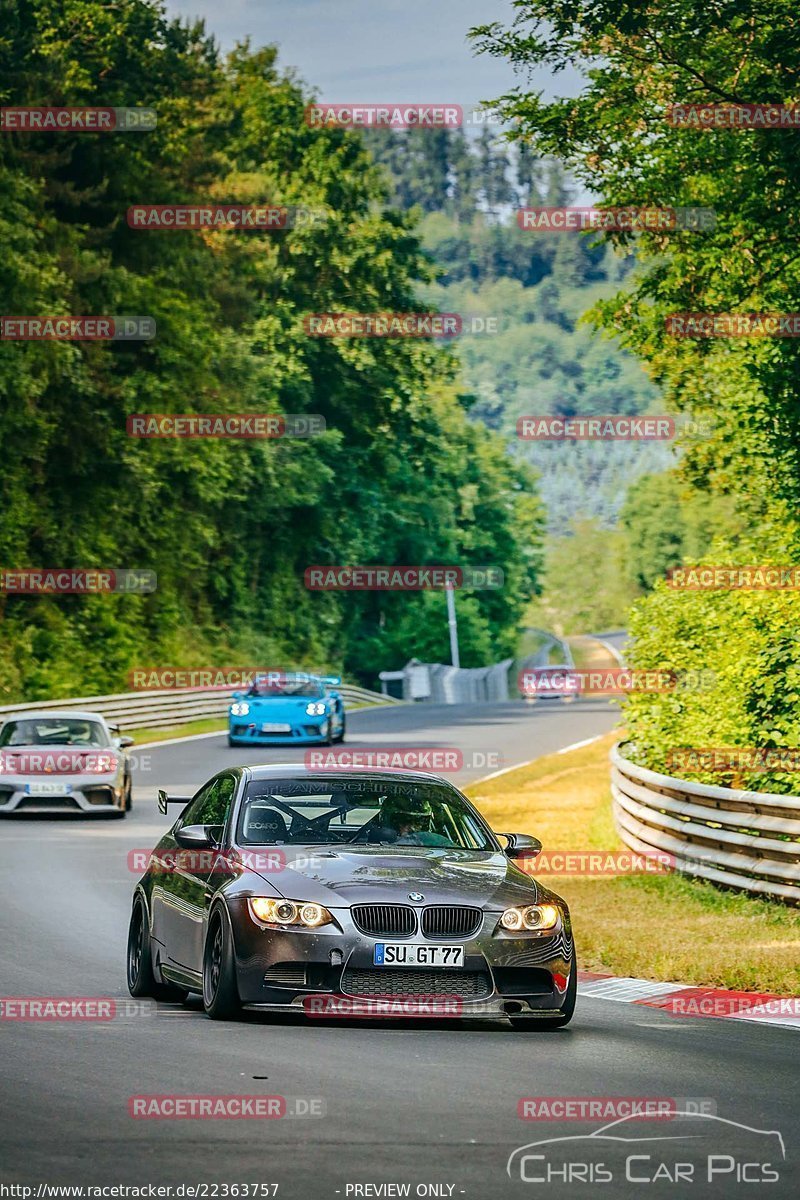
column 63, row 762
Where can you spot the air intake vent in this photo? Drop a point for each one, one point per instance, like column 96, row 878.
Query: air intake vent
column 451, row 921
column 468, row 985
column 286, row 976
column 384, row 920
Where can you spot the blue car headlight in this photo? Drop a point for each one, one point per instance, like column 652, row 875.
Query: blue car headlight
column 240, row 710
column 316, row 708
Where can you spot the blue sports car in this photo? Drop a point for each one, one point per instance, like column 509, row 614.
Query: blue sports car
column 280, row 708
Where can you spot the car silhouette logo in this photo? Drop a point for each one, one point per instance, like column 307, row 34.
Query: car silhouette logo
column 415, row 896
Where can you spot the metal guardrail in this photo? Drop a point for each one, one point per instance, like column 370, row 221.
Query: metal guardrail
column 169, row 706
column 748, row 840
column 438, row 683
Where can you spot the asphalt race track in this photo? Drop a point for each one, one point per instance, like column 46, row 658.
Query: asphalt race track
column 404, row 1103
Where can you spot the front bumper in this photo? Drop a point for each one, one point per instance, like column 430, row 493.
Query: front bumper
column 76, row 794
column 312, row 734
column 308, row 971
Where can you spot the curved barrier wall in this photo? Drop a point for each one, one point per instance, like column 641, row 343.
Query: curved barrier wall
column 748, row 840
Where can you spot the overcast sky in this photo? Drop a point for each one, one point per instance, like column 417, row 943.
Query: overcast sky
column 374, row 50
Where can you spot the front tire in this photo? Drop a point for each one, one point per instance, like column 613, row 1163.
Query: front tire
column 220, row 993
column 567, row 1008
column 141, row 980
column 340, row 735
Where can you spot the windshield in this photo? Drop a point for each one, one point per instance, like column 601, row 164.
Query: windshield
column 310, row 689
column 372, row 813
column 53, row 731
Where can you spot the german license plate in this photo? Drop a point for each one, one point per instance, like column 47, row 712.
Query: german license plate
column 273, row 728
column 48, row 789
column 401, row 954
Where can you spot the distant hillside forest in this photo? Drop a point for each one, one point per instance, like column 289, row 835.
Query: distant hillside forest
column 537, row 286
column 617, row 514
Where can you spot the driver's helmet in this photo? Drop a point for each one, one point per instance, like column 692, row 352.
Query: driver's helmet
column 413, row 811
column 262, row 685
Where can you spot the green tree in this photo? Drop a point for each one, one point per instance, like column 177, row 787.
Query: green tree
column 618, row 138
column 229, row 527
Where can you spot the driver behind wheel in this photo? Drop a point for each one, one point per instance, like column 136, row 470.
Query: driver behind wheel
column 408, row 821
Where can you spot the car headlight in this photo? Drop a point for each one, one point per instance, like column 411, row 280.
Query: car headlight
column 283, row 913
column 240, row 710
column 532, row 916
column 316, row 708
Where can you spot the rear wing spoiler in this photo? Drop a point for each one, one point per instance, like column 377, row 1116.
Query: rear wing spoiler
column 164, row 800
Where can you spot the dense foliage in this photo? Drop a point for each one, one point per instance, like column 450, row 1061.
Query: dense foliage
column 401, row 476
column 541, row 358
column 615, row 135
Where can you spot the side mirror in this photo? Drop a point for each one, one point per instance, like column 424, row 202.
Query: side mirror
column 124, row 742
column 237, row 695
column 521, row 845
column 164, row 800
column 195, row 837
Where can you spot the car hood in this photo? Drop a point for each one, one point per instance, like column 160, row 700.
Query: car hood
column 338, row 878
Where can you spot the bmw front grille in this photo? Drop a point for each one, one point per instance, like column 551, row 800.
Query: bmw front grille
column 451, row 921
column 384, row 920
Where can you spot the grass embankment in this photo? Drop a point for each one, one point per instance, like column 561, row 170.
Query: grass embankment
column 653, row 927
column 207, row 725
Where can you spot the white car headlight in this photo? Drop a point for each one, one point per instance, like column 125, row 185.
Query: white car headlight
column 532, row 916
column 283, row 913
column 316, row 708
column 240, row 710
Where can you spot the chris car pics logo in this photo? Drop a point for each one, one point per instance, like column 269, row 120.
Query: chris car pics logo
column 693, row 1148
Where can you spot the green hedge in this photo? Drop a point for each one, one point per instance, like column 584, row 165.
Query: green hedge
column 751, row 641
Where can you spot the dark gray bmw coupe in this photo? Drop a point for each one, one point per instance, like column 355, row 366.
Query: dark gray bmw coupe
column 375, row 893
